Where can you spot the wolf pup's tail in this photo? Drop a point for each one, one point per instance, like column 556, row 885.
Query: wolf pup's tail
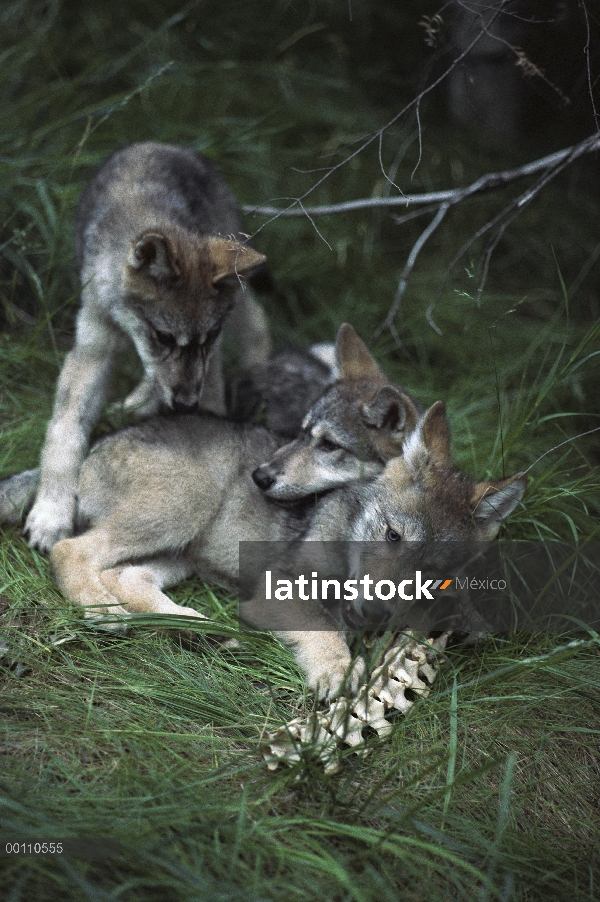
column 16, row 495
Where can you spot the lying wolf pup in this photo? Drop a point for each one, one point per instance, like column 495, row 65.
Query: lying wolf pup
column 160, row 267
column 352, row 430
column 433, row 515
column 172, row 497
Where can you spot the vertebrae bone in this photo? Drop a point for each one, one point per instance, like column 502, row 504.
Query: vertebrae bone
column 406, row 673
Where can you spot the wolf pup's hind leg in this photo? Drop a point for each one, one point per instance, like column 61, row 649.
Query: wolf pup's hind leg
column 77, row 564
column 16, row 494
column 248, row 322
column 138, row 586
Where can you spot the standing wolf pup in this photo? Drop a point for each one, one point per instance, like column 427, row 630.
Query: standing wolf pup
column 160, row 265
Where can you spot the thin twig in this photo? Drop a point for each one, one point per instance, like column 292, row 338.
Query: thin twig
column 491, row 247
column 566, row 442
column 588, row 64
column 322, row 237
column 412, row 257
column 401, row 153
column 389, row 179
column 422, row 211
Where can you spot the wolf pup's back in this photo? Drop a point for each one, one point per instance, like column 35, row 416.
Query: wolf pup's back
column 161, row 265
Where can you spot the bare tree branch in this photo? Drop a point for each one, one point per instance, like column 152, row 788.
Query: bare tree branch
column 542, row 170
column 547, row 167
column 295, row 208
column 492, row 181
column 516, row 206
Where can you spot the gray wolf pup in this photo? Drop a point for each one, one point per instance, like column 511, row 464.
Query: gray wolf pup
column 355, row 427
column 160, row 268
column 172, row 497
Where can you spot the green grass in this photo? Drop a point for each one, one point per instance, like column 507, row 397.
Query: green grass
column 489, row 790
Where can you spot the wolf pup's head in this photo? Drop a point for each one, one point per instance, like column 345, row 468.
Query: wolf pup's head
column 419, row 510
column 179, row 288
column 357, row 425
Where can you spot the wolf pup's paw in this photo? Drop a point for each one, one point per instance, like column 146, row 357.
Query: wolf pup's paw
column 48, row 522
column 133, row 408
column 334, row 677
column 111, row 617
column 188, row 612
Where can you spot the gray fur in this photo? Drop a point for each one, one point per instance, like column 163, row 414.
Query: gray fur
column 143, row 186
column 282, row 390
column 17, row 494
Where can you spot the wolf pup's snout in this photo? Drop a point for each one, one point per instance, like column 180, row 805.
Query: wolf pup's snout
column 262, row 479
column 374, row 614
column 179, row 407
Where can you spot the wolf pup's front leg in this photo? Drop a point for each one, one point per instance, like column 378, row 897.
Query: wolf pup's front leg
column 326, row 661
column 82, row 390
column 319, row 648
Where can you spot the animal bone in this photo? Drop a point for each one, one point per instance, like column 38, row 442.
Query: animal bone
column 407, row 665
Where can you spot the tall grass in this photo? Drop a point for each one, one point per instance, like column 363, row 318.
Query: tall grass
column 489, row 790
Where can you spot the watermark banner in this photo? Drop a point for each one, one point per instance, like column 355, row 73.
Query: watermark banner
column 470, row 587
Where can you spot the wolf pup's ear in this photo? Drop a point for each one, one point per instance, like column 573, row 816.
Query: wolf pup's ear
column 353, row 357
column 436, row 434
column 392, row 410
column 151, row 253
column 230, row 259
column 492, row 502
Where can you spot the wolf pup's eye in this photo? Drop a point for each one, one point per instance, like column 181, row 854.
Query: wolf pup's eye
column 391, row 535
column 326, row 445
column 212, row 335
column 165, row 339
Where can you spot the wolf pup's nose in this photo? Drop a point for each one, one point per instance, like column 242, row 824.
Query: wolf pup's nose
column 374, row 614
column 178, row 407
column 262, row 479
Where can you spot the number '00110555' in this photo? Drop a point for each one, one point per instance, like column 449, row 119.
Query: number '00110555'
column 32, row 848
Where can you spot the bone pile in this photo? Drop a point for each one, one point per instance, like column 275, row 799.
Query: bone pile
column 408, row 666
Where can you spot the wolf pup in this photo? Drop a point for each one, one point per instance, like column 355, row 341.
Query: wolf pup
column 161, row 268
column 358, row 424
column 172, row 497
column 430, row 510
